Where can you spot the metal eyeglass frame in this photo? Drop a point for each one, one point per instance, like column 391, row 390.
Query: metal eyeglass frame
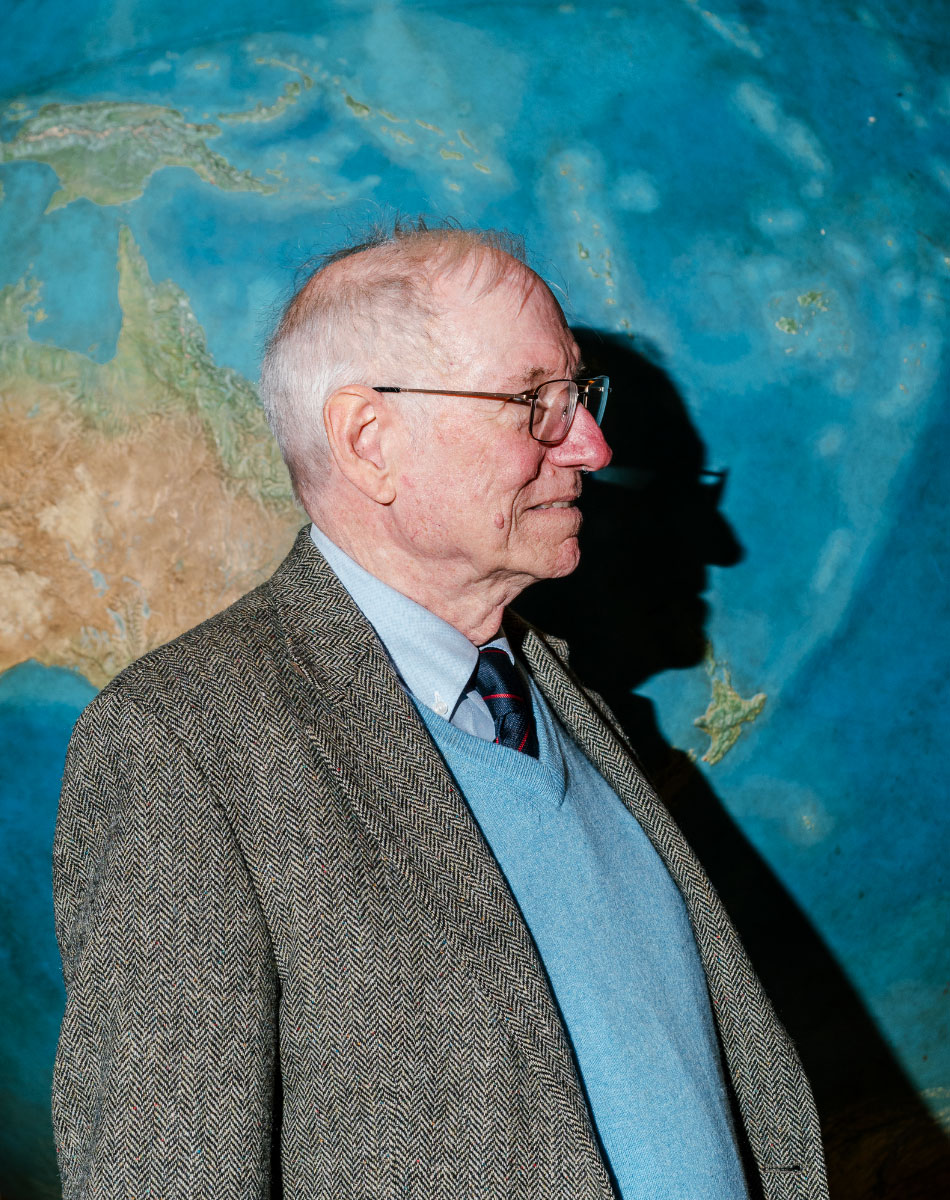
column 581, row 393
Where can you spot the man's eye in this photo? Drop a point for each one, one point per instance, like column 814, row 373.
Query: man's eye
column 555, row 396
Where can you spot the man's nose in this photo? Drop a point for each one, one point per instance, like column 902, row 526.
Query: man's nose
column 584, row 447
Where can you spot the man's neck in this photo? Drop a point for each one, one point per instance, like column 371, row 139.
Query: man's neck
column 474, row 607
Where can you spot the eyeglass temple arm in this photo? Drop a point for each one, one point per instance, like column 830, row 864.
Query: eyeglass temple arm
column 441, row 392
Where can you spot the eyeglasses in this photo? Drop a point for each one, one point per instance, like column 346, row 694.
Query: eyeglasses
column 553, row 403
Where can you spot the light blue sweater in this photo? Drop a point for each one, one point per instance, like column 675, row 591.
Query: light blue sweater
column 613, row 934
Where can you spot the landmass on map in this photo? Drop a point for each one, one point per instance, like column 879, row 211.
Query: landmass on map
column 106, row 151
column 145, row 493
column 269, row 112
column 810, row 304
column 726, row 712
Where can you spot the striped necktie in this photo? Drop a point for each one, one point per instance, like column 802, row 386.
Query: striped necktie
column 503, row 690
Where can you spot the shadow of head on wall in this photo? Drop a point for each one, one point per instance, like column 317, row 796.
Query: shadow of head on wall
column 653, row 527
column 633, row 608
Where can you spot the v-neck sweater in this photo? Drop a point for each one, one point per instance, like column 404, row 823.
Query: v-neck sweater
column 613, row 933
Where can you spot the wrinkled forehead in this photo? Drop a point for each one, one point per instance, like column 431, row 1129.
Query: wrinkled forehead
column 490, row 275
column 496, row 306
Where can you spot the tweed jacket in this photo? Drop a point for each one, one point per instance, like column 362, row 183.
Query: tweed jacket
column 292, row 964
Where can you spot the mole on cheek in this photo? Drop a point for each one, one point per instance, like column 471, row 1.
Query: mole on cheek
column 499, row 521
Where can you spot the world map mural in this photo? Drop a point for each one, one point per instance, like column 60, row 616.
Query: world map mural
column 744, row 210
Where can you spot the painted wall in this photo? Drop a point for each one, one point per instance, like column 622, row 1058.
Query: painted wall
column 746, row 211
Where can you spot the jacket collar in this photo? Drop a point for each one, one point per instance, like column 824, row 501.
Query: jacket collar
column 325, row 634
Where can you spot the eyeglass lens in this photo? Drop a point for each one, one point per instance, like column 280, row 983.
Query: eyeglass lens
column 556, row 402
column 554, row 410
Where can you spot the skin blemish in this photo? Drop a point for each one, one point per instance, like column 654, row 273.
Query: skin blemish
column 499, row 521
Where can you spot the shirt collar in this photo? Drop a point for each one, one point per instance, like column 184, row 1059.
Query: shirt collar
column 434, row 660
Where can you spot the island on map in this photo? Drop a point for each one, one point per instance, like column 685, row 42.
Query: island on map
column 107, row 151
column 726, row 712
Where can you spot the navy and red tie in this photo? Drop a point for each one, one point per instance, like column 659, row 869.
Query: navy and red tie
column 506, row 694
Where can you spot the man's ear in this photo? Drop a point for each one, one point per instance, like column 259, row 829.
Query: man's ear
column 351, row 417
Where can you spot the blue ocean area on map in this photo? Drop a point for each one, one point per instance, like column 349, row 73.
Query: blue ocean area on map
column 38, row 706
column 752, row 200
column 79, row 301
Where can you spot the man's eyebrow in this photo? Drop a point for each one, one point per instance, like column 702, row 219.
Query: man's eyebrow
column 535, row 375
column 541, row 374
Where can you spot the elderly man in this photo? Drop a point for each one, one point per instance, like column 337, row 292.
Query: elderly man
column 359, row 893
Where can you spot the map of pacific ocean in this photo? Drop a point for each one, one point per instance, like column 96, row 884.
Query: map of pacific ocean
column 748, row 209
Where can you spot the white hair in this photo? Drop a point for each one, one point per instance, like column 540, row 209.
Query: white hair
column 363, row 311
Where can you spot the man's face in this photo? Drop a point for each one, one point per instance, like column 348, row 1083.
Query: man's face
column 476, row 494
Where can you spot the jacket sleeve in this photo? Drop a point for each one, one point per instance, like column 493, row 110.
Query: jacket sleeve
column 163, row 1083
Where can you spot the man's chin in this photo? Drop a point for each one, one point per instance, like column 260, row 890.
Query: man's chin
column 566, row 560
